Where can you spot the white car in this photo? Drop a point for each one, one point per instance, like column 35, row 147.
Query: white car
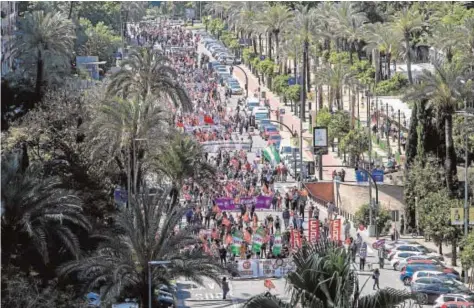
column 465, row 298
column 401, row 255
column 411, row 248
column 403, row 262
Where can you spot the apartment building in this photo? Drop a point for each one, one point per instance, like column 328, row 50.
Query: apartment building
column 9, row 17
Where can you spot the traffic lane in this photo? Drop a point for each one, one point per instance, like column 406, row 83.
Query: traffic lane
column 242, row 290
column 190, row 294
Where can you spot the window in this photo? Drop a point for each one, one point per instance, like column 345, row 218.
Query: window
column 448, row 298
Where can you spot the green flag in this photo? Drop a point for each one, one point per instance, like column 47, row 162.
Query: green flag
column 277, row 244
column 271, row 154
column 237, row 238
column 257, row 239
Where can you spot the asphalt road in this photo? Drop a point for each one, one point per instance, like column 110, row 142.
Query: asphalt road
column 210, row 294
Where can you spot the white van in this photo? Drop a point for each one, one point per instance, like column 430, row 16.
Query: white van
column 252, row 102
column 260, row 113
column 286, row 149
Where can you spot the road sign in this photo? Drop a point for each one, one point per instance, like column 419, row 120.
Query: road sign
column 361, row 176
column 262, row 57
column 378, row 174
column 291, row 81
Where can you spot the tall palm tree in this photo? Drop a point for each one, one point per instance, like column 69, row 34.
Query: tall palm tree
column 182, row 158
column 146, row 231
column 148, row 72
column 446, row 39
column 324, row 278
column 37, row 212
column 348, row 22
column 406, row 23
column 379, row 36
column 274, row 19
column 335, row 77
column 44, row 37
column 122, row 130
column 443, row 89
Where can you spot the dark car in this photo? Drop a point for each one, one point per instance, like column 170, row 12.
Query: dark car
column 427, row 290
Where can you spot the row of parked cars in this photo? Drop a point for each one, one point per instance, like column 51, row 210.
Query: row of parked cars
column 223, row 57
column 428, row 277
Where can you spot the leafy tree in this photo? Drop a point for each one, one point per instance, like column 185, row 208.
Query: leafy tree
column 467, row 253
column 280, row 84
column 392, row 86
column 339, row 125
column 325, row 278
column 323, row 117
column 38, row 214
column 45, row 41
column 146, row 231
column 100, row 41
column 423, row 178
column 435, row 217
column 355, row 143
column 382, row 217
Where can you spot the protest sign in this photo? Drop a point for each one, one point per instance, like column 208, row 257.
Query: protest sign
column 230, row 204
column 313, row 226
column 336, row 230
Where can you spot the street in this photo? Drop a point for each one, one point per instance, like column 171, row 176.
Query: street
column 210, row 293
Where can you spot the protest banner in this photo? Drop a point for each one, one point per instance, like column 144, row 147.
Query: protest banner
column 313, row 227
column 277, row 244
column 336, row 230
column 257, row 239
column 230, row 204
column 295, row 239
column 247, row 268
column 237, row 238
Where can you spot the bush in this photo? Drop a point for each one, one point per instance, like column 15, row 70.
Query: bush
column 280, row 84
column 363, row 214
column 392, row 86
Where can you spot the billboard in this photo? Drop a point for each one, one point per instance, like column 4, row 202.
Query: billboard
column 457, row 216
column 320, row 136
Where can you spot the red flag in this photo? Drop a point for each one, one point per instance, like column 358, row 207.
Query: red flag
column 208, row 120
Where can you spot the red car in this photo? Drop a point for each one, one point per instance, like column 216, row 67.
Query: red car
column 268, row 131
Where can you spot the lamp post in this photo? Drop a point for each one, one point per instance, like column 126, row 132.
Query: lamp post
column 399, row 133
column 150, row 264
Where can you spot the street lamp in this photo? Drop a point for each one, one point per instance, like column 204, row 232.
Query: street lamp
column 150, row 264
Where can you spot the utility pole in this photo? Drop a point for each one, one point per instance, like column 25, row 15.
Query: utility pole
column 303, row 101
column 369, row 118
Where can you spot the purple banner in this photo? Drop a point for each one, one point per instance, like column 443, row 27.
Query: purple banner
column 229, row 204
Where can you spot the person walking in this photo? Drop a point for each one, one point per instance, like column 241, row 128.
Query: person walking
column 286, row 217
column 353, row 249
column 225, row 288
column 301, row 209
column 362, row 256
column 223, row 255
column 358, row 241
column 376, row 277
column 347, row 229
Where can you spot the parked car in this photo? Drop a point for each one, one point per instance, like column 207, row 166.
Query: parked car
column 236, row 89
column 401, row 255
column 457, row 305
column 432, row 274
column 411, row 247
column 428, row 293
column 268, row 131
column 275, row 140
column 407, row 272
column 449, row 298
column 417, row 259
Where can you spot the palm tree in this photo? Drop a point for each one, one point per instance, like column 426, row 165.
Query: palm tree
column 348, row 23
column 406, row 23
column 335, row 77
column 121, row 130
column 148, row 72
column 324, row 278
column 444, row 38
column 182, row 158
column 146, row 231
column 443, row 89
column 466, row 31
column 37, row 212
column 44, row 37
column 379, row 36
column 274, row 19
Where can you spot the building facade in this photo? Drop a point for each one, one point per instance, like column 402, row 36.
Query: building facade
column 9, row 18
